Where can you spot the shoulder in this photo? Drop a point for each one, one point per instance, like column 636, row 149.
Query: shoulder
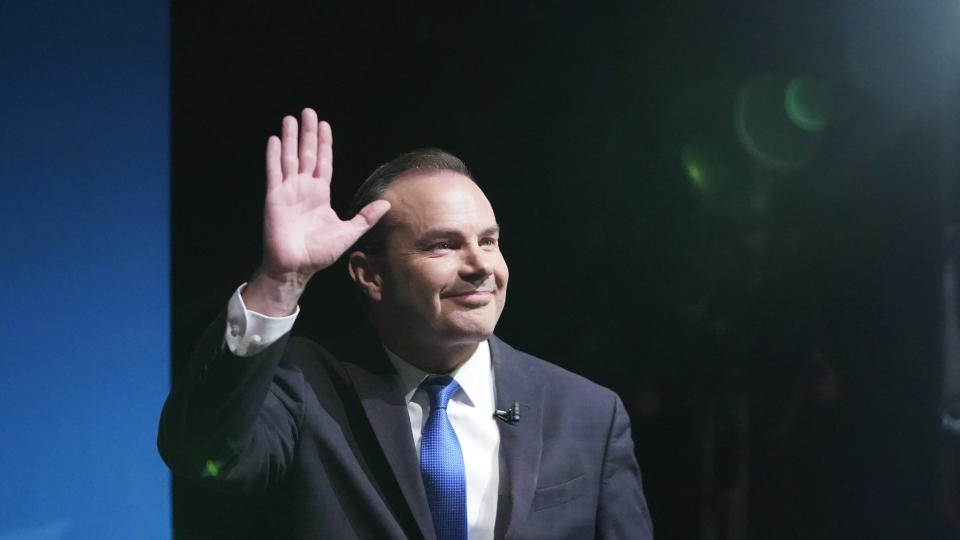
column 304, row 357
column 359, row 349
column 560, row 384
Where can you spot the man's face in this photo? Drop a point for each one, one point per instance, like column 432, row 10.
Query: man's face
column 444, row 278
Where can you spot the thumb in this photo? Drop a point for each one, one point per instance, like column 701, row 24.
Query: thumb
column 369, row 215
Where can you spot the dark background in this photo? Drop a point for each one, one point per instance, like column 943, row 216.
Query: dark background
column 764, row 294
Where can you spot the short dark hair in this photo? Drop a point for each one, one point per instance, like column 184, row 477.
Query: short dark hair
column 423, row 160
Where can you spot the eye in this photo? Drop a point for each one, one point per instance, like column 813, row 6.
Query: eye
column 488, row 242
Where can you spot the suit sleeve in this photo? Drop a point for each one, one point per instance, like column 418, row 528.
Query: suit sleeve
column 232, row 421
column 623, row 509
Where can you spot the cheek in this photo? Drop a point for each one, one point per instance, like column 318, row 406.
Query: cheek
column 432, row 279
column 503, row 273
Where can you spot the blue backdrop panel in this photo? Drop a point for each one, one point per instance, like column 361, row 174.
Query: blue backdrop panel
column 84, row 284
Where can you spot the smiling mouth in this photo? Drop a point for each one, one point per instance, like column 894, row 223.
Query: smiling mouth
column 475, row 296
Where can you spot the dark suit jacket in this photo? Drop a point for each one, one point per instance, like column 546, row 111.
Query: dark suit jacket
column 325, row 438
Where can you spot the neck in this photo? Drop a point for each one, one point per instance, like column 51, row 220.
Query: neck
column 434, row 357
column 433, row 360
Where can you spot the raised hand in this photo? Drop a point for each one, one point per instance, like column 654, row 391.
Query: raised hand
column 301, row 232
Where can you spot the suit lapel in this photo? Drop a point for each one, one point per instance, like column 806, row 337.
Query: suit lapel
column 520, row 443
column 386, row 411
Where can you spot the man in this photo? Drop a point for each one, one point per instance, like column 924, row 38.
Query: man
column 424, row 424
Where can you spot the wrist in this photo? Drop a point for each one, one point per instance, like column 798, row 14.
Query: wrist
column 274, row 294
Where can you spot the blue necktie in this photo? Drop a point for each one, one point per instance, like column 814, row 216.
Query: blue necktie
column 441, row 464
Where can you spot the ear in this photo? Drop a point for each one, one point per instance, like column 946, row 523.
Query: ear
column 363, row 271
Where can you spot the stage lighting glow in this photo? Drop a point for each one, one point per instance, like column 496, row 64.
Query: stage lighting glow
column 696, row 174
column 807, row 104
column 901, row 54
column 212, row 468
column 705, row 167
column 766, row 132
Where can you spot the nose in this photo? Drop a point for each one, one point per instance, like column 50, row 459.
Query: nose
column 477, row 265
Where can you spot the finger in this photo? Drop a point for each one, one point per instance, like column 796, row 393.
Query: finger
column 369, row 215
column 274, row 170
column 288, row 150
column 308, row 141
column 324, row 170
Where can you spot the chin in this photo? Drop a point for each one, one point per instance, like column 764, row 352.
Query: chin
column 470, row 333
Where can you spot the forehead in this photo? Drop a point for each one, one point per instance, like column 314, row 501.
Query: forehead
column 441, row 199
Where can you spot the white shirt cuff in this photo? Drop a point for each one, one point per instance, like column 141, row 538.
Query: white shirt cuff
column 249, row 332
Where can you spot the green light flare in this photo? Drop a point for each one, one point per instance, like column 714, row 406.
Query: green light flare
column 807, row 103
column 765, row 131
column 694, row 171
column 704, row 166
column 212, row 468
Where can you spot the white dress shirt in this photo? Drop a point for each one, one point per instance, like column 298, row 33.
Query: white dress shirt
column 470, row 410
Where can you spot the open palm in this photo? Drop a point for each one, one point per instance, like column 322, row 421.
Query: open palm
column 302, row 233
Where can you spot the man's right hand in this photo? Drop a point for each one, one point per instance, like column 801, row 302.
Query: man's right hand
column 301, row 233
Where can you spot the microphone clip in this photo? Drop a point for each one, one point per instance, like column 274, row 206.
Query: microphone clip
column 510, row 416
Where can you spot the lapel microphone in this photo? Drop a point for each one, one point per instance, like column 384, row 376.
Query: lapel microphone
column 510, row 416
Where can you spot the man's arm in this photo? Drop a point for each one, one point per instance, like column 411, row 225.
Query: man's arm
column 233, row 417
column 232, row 421
column 623, row 509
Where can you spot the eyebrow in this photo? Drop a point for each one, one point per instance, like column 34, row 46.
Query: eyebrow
column 448, row 233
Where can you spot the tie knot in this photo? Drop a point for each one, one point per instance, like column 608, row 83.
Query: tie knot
column 440, row 390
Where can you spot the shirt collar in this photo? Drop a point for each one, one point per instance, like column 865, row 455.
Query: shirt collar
column 473, row 376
